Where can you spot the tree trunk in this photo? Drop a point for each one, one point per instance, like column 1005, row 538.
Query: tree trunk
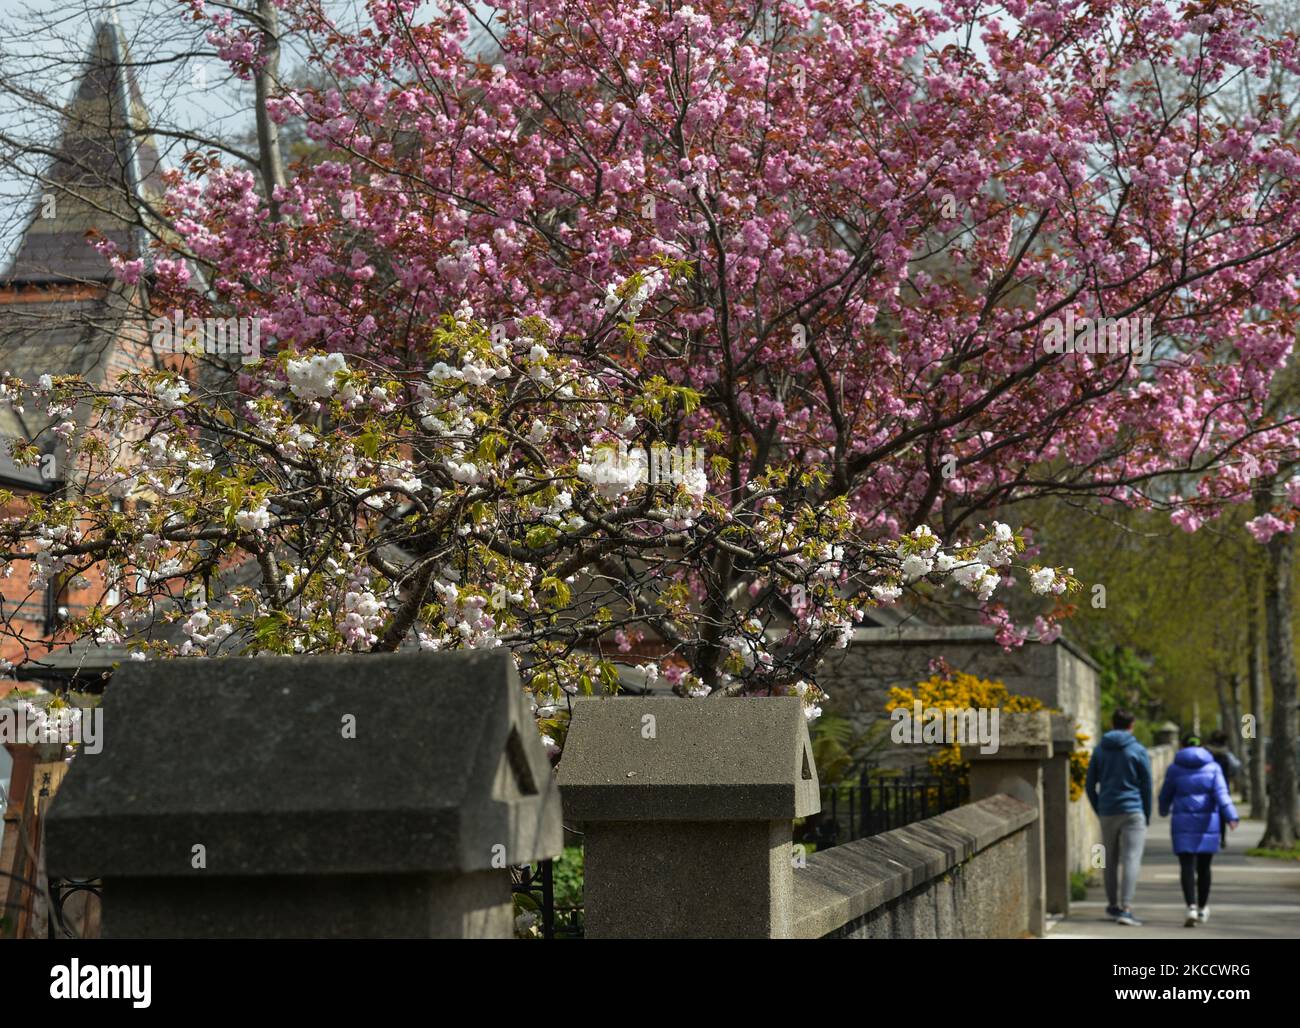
column 1255, row 673
column 264, row 82
column 1233, row 727
column 1225, row 712
column 1283, row 822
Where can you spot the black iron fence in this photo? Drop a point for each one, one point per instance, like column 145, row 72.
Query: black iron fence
column 534, row 888
column 548, row 894
column 61, row 922
column 881, row 799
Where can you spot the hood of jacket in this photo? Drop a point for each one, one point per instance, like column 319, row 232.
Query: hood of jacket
column 1193, row 757
column 1117, row 739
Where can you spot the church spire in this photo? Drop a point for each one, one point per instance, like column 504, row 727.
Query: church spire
column 104, row 168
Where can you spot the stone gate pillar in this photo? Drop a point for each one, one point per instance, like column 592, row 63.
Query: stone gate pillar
column 1057, row 845
column 1016, row 769
column 687, row 806
column 367, row 796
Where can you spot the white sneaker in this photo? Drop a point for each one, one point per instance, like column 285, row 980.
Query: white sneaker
column 1191, row 919
column 1203, row 914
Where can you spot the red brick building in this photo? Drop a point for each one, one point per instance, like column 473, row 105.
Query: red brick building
column 62, row 312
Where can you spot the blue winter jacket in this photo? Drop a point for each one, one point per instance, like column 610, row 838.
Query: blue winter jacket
column 1119, row 776
column 1197, row 793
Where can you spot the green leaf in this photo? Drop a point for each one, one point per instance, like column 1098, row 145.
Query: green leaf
column 609, row 676
column 539, row 536
column 560, row 588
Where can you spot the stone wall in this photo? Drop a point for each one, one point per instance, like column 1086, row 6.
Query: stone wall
column 687, row 810
column 1080, row 695
column 859, row 678
column 960, row 875
column 1161, row 758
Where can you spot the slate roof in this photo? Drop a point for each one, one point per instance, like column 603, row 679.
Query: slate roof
column 91, row 664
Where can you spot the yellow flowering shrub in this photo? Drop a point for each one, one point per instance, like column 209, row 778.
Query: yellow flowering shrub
column 1078, row 766
column 958, row 690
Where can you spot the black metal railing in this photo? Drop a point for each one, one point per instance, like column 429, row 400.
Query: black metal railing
column 879, row 800
column 555, row 905
column 57, row 924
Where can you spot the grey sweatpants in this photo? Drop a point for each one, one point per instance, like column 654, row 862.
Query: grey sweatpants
column 1124, row 836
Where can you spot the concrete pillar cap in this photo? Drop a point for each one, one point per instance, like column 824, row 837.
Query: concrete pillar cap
column 1021, row 736
column 669, row 759
column 367, row 764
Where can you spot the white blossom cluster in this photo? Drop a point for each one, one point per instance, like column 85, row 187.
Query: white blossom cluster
column 47, row 725
column 815, row 622
column 256, row 520
column 363, row 615
column 194, row 629
column 473, row 371
column 312, row 378
column 812, row 710
column 171, row 391
column 400, row 475
column 467, row 615
column 10, row 393
column 615, row 471
column 1045, row 580
column 919, row 555
column 629, row 301
column 45, row 563
column 612, row 475
column 748, row 646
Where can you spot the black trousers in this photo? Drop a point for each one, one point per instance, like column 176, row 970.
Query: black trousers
column 1194, row 871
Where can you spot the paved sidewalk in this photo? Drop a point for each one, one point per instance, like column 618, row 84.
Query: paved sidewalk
column 1250, row 897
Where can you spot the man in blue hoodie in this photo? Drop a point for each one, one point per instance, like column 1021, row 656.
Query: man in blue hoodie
column 1119, row 789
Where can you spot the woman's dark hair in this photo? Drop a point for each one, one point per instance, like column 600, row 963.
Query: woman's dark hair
column 1218, row 737
column 1191, row 739
column 1122, row 720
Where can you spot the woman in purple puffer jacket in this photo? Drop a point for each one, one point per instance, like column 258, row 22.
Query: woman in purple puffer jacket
column 1197, row 794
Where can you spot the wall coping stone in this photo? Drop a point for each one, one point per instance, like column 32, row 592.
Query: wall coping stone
column 917, row 634
column 1025, row 735
column 846, row 882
